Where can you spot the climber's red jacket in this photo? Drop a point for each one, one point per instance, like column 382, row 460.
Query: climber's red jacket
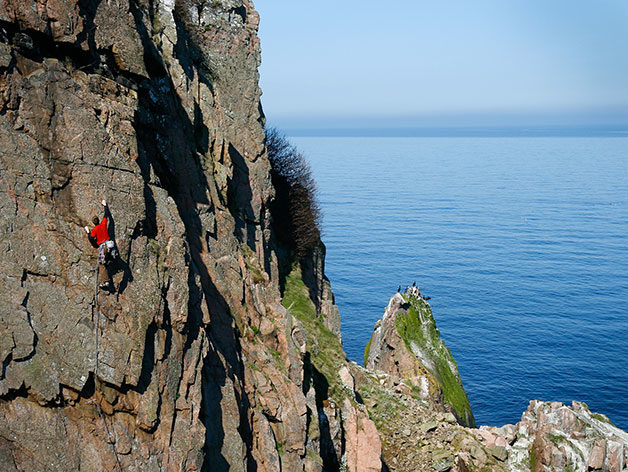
column 100, row 232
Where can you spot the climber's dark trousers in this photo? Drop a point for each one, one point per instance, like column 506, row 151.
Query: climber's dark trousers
column 103, row 275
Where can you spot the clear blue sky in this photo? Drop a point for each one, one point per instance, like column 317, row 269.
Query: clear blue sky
column 444, row 62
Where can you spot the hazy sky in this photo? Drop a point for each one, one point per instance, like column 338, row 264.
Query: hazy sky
column 440, row 62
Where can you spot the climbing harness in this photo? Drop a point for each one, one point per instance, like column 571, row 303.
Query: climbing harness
column 100, row 414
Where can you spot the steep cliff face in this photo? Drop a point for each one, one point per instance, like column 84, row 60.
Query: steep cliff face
column 193, row 364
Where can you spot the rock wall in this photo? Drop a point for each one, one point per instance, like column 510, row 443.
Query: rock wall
column 193, row 364
column 556, row 437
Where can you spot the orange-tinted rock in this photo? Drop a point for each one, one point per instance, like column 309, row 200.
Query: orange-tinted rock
column 596, row 457
column 362, row 443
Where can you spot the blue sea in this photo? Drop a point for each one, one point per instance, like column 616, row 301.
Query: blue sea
column 519, row 241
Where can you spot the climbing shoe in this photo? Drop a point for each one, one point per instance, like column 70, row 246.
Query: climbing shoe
column 106, row 286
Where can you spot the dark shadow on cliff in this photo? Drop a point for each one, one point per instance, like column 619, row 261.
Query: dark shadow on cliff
column 169, row 148
column 121, row 265
column 295, row 214
column 87, row 10
column 312, row 377
column 239, row 195
column 313, row 273
column 186, row 51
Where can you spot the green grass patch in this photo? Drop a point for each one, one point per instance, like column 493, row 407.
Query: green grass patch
column 367, row 349
column 253, row 265
column 279, row 448
column 326, row 353
column 602, row 418
column 418, row 327
column 154, row 246
column 276, row 355
column 532, row 462
column 314, row 457
column 556, row 439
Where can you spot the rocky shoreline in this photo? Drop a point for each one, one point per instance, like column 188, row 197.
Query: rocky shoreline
column 550, row 436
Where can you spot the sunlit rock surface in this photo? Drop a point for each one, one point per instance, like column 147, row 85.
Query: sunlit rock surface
column 407, row 345
column 423, row 427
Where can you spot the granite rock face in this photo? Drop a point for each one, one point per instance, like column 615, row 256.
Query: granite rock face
column 552, row 436
column 207, row 356
column 194, row 363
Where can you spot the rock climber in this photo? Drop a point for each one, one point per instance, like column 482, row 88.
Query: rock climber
column 99, row 237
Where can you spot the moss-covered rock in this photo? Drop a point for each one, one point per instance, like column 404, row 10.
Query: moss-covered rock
column 324, row 350
column 346, row 433
column 407, row 344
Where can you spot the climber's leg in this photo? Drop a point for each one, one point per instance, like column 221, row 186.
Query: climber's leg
column 104, row 278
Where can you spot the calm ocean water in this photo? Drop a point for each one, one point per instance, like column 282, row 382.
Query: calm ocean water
column 520, row 242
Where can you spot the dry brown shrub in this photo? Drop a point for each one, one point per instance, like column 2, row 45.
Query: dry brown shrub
column 295, row 210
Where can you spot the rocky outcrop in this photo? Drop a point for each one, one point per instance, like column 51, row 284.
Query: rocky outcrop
column 409, row 403
column 194, row 363
column 552, row 436
column 406, row 344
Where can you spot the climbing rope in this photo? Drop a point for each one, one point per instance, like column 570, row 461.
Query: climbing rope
column 100, row 414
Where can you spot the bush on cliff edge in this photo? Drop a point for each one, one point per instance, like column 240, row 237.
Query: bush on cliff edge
column 295, row 210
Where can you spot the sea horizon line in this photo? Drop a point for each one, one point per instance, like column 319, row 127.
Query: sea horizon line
column 616, row 131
